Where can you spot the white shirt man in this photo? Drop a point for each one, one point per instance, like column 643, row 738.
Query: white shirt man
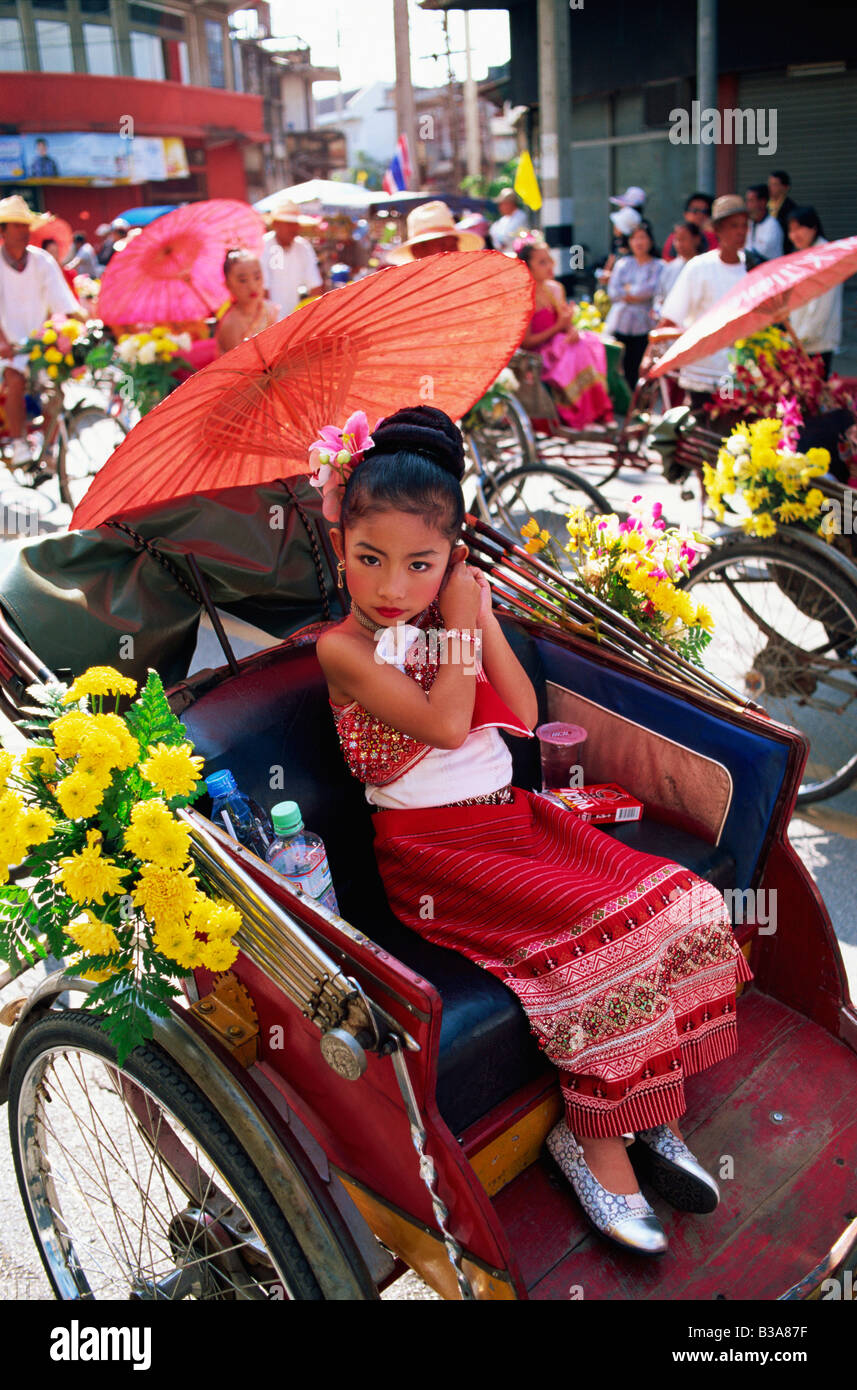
column 510, row 224
column 285, row 269
column 29, row 296
column 703, row 282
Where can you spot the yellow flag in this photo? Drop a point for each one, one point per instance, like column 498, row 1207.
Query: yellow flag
column 526, row 184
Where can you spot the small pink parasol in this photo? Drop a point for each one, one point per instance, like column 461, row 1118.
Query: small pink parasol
column 765, row 295
column 173, row 271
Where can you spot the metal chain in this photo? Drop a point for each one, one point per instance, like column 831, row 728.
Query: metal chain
column 428, row 1172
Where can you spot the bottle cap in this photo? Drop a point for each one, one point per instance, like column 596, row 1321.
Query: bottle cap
column 221, row 783
column 286, row 817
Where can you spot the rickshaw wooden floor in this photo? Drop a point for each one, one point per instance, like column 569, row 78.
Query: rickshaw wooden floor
column 794, row 1187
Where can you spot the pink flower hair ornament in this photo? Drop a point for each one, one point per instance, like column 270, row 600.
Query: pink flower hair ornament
column 334, row 456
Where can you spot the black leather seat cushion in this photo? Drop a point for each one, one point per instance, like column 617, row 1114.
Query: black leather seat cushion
column 272, row 726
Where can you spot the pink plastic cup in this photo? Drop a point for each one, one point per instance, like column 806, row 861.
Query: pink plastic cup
column 558, row 747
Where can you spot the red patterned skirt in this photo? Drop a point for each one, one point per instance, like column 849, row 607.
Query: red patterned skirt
column 625, row 963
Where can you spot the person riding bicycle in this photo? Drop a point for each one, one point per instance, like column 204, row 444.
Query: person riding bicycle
column 32, row 288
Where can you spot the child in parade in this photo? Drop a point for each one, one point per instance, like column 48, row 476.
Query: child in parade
column 250, row 312
column 625, row 963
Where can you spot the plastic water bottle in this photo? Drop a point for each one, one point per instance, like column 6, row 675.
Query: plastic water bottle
column 242, row 817
column 299, row 855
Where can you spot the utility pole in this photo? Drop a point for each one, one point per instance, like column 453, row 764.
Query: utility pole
column 706, row 88
column 555, row 129
column 406, row 111
column 452, row 105
column 471, row 108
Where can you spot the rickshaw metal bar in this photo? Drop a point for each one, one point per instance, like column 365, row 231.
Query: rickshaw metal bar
column 303, row 957
column 428, row 1171
column 674, row 665
column 304, row 977
column 213, row 614
column 30, row 663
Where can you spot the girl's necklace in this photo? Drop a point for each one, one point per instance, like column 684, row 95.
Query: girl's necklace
column 367, row 622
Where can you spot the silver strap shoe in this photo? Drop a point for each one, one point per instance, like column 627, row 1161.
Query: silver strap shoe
column 625, row 1218
column 668, row 1164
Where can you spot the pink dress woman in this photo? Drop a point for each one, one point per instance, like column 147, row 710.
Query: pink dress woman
column 578, row 371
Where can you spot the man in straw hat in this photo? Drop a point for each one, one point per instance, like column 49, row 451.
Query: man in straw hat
column 511, row 222
column 289, row 263
column 32, row 288
column 705, row 280
column 431, row 228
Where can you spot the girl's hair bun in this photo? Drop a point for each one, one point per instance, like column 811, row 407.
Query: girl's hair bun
column 422, row 429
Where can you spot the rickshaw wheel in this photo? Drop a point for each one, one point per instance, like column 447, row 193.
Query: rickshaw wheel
column 133, row 1186
column 786, row 635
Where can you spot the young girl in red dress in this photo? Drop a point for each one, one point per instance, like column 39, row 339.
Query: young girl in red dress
column 625, row 963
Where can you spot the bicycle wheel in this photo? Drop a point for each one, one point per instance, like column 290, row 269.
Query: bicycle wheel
column 505, row 439
column 89, row 438
column 133, row 1186
column 786, row 634
column 546, row 491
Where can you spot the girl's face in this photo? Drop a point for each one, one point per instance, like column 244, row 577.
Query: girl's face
column 800, row 236
column 640, row 242
column 541, row 264
column 684, row 244
column 395, row 563
column 245, row 282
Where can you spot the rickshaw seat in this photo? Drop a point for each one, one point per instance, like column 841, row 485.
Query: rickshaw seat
column 275, row 715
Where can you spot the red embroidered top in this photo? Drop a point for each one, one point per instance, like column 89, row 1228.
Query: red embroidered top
column 377, row 753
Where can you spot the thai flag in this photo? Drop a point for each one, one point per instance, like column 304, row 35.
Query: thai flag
column 398, row 176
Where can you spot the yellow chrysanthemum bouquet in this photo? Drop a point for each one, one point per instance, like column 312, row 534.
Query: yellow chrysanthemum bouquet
column 147, row 363
column 50, row 351
column 87, row 814
column 635, row 566
column 757, row 467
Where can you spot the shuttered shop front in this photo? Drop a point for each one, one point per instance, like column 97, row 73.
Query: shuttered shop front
column 816, row 137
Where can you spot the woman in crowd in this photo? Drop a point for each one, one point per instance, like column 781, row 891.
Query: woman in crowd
column 250, row 311
column 818, row 323
column 574, row 363
column 632, row 290
column 688, row 240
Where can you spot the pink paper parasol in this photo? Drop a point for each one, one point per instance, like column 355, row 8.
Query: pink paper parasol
column 766, row 295
column 173, row 271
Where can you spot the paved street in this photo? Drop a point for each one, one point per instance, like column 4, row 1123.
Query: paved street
column 825, row 836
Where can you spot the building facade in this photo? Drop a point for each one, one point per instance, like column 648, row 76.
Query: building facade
column 631, row 66
column 107, row 104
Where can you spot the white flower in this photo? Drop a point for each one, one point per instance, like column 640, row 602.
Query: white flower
column 737, row 444
column 127, row 351
column 507, row 380
column 147, row 353
column 183, row 342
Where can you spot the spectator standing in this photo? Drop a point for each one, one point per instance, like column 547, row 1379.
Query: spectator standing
column 52, row 246
column 705, row 280
column 289, row 262
column 818, row 323
column 511, row 222
column 431, row 229
column 697, row 209
column 111, row 232
column 624, row 221
column 780, row 204
column 689, row 241
column 764, row 234
column 31, row 290
column 83, row 261
column 632, row 290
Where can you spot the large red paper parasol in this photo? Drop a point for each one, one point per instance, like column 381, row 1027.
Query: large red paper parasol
column 437, row 332
column 55, row 227
column 173, row 271
column 765, row 295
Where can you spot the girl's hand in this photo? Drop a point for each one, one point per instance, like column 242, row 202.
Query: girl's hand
column 460, row 597
column 486, row 611
column 572, row 335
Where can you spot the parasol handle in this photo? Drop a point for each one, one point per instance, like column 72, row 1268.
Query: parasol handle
column 204, row 302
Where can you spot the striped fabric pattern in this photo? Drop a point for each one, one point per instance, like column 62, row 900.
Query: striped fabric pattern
column 625, row 963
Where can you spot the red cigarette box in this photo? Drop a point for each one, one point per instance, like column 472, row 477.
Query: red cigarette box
column 603, row 802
